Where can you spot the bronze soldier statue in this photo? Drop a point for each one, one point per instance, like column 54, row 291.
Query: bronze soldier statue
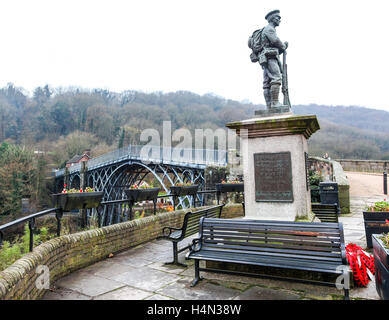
column 267, row 48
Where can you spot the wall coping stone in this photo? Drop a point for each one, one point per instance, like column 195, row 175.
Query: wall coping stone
column 24, row 268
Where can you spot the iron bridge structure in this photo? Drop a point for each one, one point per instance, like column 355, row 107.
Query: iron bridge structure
column 117, row 170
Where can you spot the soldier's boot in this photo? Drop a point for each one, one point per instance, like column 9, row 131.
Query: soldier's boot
column 267, row 95
column 275, row 92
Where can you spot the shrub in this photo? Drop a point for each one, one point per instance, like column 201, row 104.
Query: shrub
column 379, row 206
column 9, row 254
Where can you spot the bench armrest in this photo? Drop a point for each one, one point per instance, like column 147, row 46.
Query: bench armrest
column 196, row 245
column 167, row 231
column 343, row 251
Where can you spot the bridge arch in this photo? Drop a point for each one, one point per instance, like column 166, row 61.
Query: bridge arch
column 113, row 181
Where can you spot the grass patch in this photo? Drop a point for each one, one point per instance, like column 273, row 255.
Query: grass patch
column 10, row 252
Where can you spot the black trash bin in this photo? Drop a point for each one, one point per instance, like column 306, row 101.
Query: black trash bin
column 329, row 193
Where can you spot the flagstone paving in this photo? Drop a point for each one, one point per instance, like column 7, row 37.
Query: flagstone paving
column 140, row 273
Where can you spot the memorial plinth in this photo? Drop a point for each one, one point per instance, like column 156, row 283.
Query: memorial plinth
column 274, row 151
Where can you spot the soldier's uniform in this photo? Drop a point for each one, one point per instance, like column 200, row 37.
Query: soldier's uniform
column 270, row 61
column 269, row 57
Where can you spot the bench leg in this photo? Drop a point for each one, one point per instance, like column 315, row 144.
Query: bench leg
column 197, row 273
column 175, row 256
column 346, row 294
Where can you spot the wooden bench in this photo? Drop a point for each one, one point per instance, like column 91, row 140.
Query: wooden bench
column 306, row 246
column 189, row 227
column 326, row 212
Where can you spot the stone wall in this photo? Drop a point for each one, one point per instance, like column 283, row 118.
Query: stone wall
column 69, row 253
column 343, row 187
column 377, row 166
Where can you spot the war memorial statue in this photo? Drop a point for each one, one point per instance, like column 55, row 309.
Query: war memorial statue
column 274, row 143
column 266, row 49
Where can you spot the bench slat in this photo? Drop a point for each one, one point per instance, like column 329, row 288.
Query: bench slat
column 271, row 223
column 285, row 245
column 330, row 227
column 268, row 261
column 193, row 220
column 282, row 253
column 292, row 259
column 321, row 241
column 278, row 231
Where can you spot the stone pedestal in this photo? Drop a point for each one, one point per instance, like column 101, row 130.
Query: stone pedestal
column 274, row 151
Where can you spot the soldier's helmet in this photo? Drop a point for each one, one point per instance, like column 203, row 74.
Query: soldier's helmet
column 270, row 15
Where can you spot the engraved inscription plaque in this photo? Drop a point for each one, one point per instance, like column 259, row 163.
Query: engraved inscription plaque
column 273, row 177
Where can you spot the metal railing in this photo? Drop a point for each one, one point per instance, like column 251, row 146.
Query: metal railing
column 31, row 223
column 124, row 212
column 166, row 155
column 116, row 211
column 59, row 214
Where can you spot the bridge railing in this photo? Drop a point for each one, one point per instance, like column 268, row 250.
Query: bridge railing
column 146, row 153
column 59, row 172
column 74, row 168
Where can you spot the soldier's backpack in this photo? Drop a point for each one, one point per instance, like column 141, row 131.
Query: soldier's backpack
column 255, row 44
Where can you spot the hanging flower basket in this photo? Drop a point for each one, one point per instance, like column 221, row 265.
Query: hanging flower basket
column 229, row 187
column 185, row 190
column 77, row 200
column 136, row 195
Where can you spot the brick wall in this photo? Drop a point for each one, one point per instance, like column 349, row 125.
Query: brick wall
column 68, row 253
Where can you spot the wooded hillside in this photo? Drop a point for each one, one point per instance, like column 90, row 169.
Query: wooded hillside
column 60, row 123
column 64, row 122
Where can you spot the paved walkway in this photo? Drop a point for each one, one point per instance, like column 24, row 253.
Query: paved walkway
column 140, row 273
column 365, row 184
column 365, row 189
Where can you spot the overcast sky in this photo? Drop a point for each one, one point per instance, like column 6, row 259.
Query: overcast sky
column 338, row 50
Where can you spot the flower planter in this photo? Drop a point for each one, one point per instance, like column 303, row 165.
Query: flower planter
column 229, row 187
column 135, row 195
column 381, row 263
column 77, row 200
column 375, row 224
column 180, row 191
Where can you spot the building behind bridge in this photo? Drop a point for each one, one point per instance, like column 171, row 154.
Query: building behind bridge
column 77, row 158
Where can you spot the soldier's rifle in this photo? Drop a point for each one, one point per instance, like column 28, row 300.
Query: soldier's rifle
column 285, row 89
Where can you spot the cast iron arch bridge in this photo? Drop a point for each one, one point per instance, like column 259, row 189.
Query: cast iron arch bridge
column 114, row 171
